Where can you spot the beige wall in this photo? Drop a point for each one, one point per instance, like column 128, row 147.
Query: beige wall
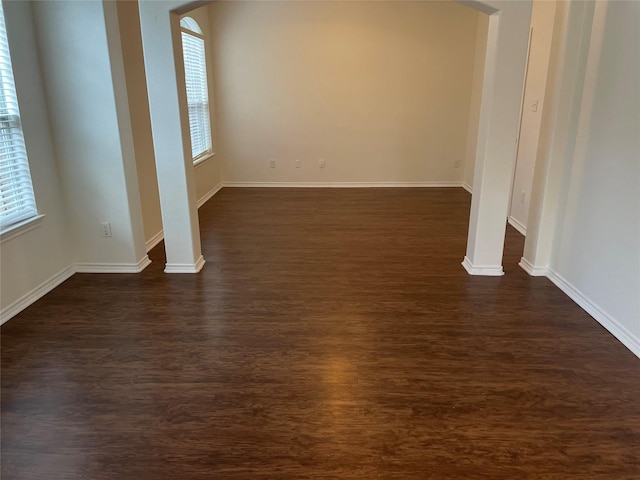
column 207, row 173
column 129, row 19
column 380, row 90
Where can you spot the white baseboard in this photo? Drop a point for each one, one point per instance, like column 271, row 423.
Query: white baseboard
column 185, row 267
column 36, row 294
column 155, row 240
column 467, row 187
column 45, row 287
column 342, row 184
column 532, row 270
column 113, row 267
column 209, row 194
column 603, row 318
column 517, row 225
column 486, row 270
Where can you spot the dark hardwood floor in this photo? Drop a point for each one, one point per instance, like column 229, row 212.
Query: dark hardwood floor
column 332, row 334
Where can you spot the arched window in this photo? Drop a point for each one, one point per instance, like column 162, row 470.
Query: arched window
column 195, row 70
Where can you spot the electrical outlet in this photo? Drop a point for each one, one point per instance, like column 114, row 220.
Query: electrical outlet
column 322, row 164
column 105, row 228
column 272, row 163
column 522, row 196
column 297, row 163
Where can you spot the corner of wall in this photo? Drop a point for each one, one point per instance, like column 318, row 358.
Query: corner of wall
column 476, row 99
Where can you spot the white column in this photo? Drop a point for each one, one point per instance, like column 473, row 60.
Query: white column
column 170, row 127
column 499, row 115
column 566, row 67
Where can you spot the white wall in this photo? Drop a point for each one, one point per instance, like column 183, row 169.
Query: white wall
column 596, row 251
column 37, row 260
column 81, row 59
column 380, row 90
column 476, row 99
column 129, row 22
column 542, row 21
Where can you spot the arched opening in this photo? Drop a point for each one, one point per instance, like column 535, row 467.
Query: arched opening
column 495, row 153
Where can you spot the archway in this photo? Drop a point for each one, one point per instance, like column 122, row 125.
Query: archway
column 504, row 69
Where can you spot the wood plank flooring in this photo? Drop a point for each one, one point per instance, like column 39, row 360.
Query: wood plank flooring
column 332, row 334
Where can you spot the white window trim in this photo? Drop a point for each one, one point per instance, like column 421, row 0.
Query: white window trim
column 18, row 229
column 191, row 32
column 203, row 158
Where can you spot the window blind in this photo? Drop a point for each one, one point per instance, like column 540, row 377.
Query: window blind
column 195, row 69
column 17, row 202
